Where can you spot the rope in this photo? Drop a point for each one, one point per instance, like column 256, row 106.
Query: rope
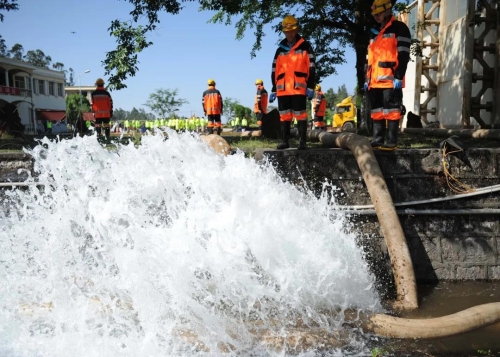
column 454, row 184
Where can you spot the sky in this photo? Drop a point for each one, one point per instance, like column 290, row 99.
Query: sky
column 186, row 51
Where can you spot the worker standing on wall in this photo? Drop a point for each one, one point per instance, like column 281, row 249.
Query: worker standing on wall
column 319, row 107
column 293, row 78
column 212, row 107
column 260, row 106
column 388, row 56
column 102, row 108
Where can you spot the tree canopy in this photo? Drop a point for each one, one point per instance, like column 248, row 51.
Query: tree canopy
column 164, row 101
column 331, row 26
column 76, row 104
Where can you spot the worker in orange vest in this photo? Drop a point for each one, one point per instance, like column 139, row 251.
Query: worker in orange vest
column 319, row 105
column 388, row 56
column 260, row 106
column 293, row 78
column 212, row 107
column 102, row 108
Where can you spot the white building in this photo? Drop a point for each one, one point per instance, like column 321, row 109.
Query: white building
column 457, row 80
column 38, row 93
column 86, row 91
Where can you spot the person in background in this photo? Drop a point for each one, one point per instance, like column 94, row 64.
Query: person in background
column 244, row 124
column 102, row 108
column 212, row 107
column 319, row 107
column 293, row 78
column 388, row 56
column 261, row 99
column 49, row 127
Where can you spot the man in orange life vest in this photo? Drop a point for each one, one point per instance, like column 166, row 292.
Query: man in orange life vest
column 212, row 107
column 102, row 107
column 319, row 105
column 293, row 78
column 260, row 106
column 388, row 56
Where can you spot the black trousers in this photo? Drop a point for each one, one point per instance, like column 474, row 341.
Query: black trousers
column 292, row 106
column 214, row 118
column 385, row 103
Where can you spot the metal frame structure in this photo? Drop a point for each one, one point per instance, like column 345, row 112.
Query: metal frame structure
column 479, row 26
column 427, row 66
column 486, row 74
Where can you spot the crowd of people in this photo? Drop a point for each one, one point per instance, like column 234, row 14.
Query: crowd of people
column 293, row 80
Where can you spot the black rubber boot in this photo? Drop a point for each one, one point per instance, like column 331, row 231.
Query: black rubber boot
column 285, row 135
column 302, row 127
column 378, row 133
column 219, row 130
column 392, row 136
column 210, row 131
column 107, row 133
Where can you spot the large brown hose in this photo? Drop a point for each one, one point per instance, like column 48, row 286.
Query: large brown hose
column 402, row 266
column 449, row 325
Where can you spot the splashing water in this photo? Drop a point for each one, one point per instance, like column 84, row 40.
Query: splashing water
column 168, row 249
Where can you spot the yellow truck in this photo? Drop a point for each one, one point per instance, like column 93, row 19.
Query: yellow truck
column 345, row 114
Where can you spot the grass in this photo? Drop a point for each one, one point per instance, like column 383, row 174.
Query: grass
column 248, row 145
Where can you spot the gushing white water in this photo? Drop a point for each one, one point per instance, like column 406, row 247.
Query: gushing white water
column 168, row 249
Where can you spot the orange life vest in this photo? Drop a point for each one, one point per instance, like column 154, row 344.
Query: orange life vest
column 102, row 104
column 212, row 101
column 260, row 100
column 319, row 104
column 383, row 58
column 292, row 71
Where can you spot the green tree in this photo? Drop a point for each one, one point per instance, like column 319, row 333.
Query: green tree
column 76, row 104
column 330, row 25
column 7, row 5
column 17, row 51
column 58, row 66
column 228, row 107
column 164, row 101
column 342, row 93
column 3, row 48
column 71, row 81
column 330, row 98
column 120, row 114
column 241, row 111
column 38, row 58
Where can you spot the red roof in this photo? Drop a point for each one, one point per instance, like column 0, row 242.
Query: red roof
column 52, row 115
column 88, row 116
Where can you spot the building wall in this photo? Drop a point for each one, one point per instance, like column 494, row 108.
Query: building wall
column 27, row 105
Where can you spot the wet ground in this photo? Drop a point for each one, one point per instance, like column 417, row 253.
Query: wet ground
column 444, row 299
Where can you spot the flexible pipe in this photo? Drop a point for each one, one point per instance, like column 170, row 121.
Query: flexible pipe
column 404, row 275
column 449, row 325
column 493, row 134
column 479, row 191
column 423, row 212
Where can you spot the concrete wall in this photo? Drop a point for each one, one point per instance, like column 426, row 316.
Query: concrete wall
column 444, row 246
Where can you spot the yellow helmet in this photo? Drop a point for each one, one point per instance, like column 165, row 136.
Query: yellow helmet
column 211, row 82
column 379, row 6
column 318, row 87
column 259, row 81
column 99, row 82
column 289, row 23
